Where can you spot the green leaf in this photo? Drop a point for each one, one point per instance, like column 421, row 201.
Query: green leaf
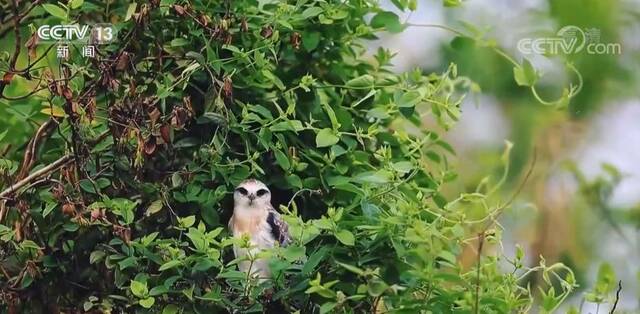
column 289, row 125
column 314, row 260
column 186, row 222
column 139, row 289
column 311, row 12
column 178, row 42
column 387, row 20
column 525, row 74
column 282, row 159
column 147, row 303
column 48, row 209
column 402, row 166
column 28, row 244
column 346, row 237
column 171, row 309
column 327, row 307
column 326, row 137
column 96, row 256
column 361, row 81
column 448, row 256
column 130, row 11
column 55, row 10
column 376, row 287
column 294, row 253
column 351, row 268
column 204, row 265
column 155, row 207
column 74, row 4
column 169, row 265
column 310, row 40
column 377, row 177
column 158, row 291
column 409, row 99
column 451, row 3
column 198, row 239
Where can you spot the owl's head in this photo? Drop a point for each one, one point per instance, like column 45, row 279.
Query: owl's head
column 252, row 193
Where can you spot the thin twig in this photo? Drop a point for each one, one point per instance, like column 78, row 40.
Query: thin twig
column 501, row 209
column 16, row 28
column 613, row 309
column 477, row 296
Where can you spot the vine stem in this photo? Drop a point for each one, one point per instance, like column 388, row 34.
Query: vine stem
column 477, row 296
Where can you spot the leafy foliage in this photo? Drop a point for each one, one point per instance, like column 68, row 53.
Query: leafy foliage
column 152, row 136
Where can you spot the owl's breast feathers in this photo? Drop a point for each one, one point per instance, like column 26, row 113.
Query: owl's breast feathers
column 268, row 224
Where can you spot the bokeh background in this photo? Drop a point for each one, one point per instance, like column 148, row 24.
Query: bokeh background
column 581, row 205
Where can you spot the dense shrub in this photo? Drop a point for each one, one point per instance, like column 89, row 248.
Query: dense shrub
column 140, row 148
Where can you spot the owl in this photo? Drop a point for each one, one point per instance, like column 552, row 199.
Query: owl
column 254, row 217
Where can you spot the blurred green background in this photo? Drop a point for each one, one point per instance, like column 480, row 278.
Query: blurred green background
column 581, row 205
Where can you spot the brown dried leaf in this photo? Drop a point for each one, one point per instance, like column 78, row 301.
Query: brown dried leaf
column 154, row 115
column 227, row 87
column 123, row 61
column 31, row 45
column 295, row 39
column 69, row 209
column 150, row 145
column 180, row 10
column 165, row 132
column 179, row 118
column 243, row 25
column 187, row 104
column 205, row 20
column 67, row 93
column 266, row 31
column 90, row 108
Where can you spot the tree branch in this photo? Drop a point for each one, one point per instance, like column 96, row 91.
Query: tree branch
column 39, row 173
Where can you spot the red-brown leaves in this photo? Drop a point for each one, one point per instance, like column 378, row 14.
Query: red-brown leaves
column 179, row 117
column 150, row 145
column 267, row 31
column 69, row 209
column 67, row 93
column 90, row 108
column 227, row 88
column 123, row 61
column 97, row 214
column 58, row 192
column 180, row 10
column 123, row 233
column 295, row 39
column 154, row 115
column 244, row 27
column 165, row 133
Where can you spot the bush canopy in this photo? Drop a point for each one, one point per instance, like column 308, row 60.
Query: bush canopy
column 118, row 171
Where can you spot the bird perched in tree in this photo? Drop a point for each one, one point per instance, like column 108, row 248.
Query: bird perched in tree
column 255, row 217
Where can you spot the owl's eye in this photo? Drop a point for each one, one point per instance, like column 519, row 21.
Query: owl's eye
column 262, row 192
column 242, row 191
